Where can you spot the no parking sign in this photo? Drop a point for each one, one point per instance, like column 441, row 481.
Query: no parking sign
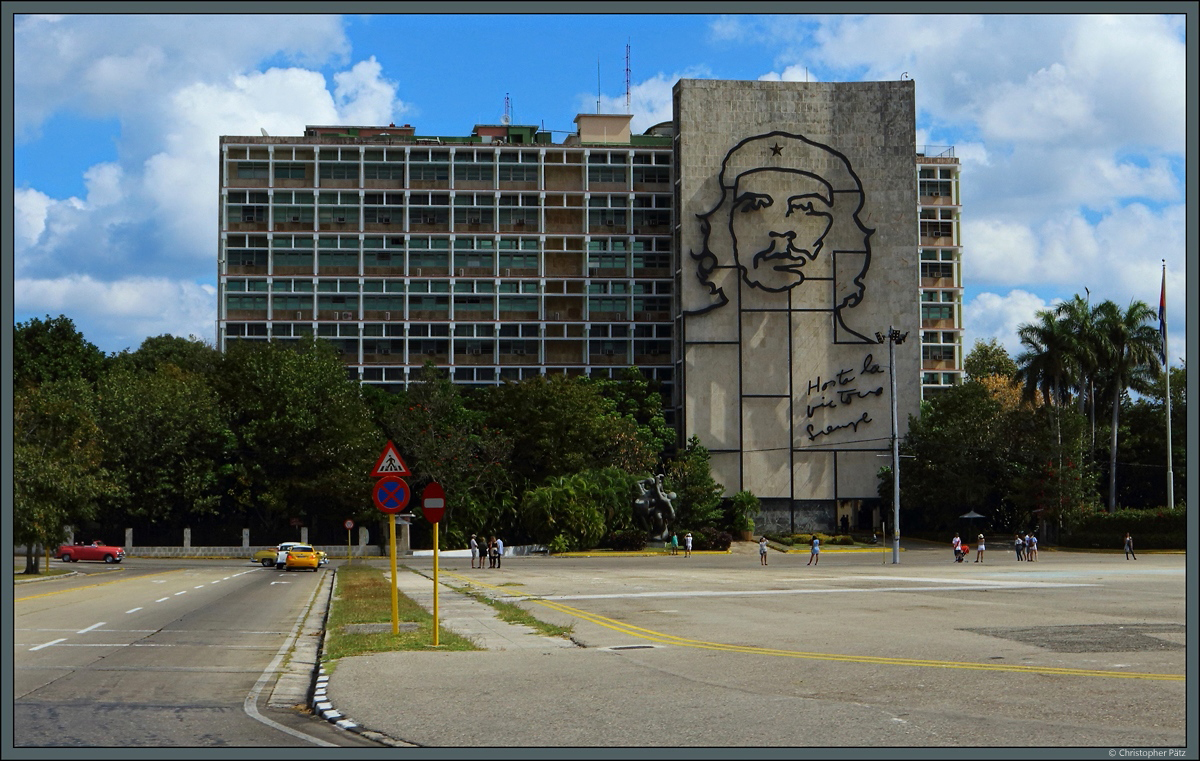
column 391, row 494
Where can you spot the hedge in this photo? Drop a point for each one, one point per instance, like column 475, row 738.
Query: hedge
column 1153, row 529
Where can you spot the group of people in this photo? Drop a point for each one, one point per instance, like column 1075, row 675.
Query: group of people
column 1026, row 546
column 814, row 553
column 963, row 551
column 687, row 544
column 492, row 549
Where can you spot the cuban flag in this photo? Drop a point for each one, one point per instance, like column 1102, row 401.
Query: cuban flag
column 1162, row 317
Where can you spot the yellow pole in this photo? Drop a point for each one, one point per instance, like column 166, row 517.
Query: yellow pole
column 395, row 601
column 435, row 585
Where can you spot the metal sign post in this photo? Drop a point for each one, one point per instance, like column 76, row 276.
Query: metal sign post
column 433, row 506
column 391, row 495
column 349, row 524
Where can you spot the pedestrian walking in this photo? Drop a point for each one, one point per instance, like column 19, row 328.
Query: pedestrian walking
column 281, row 559
column 979, row 549
column 1031, row 547
column 687, row 545
column 762, row 550
column 814, row 554
column 674, row 543
column 1019, row 547
column 499, row 551
column 1129, row 546
column 957, row 544
column 475, row 558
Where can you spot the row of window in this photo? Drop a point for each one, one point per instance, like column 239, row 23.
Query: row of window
column 261, row 170
column 354, row 154
column 419, row 301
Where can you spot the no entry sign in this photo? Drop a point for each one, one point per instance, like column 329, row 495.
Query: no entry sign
column 433, row 502
column 391, row 494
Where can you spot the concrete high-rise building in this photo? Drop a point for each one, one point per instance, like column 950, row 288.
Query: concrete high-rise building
column 749, row 254
column 939, row 204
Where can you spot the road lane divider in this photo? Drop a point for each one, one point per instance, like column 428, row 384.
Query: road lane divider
column 101, row 584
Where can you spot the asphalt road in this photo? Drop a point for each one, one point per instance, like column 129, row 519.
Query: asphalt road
column 160, row 653
column 1076, row 650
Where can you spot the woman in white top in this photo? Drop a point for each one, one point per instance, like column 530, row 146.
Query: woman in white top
column 815, row 554
column 762, row 550
column 979, row 549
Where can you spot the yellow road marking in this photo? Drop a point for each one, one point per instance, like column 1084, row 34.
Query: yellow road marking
column 89, row 586
column 670, row 639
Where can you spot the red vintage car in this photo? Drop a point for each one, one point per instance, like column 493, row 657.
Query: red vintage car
column 73, row 553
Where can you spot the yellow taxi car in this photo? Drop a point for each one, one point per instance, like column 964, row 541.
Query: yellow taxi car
column 266, row 558
column 301, row 556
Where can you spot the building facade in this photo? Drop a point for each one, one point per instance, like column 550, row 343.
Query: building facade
column 749, row 255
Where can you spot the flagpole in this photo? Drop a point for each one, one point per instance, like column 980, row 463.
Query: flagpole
column 1162, row 319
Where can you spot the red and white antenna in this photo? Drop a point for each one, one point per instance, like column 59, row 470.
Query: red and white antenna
column 627, row 79
column 507, row 118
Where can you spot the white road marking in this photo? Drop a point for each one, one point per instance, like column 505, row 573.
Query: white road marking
column 158, row 581
column 837, row 591
column 93, row 626
column 184, row 592
column 273, row 583
column 133, row 610
column 201, row 586
column 48, row 644
column 162, row 598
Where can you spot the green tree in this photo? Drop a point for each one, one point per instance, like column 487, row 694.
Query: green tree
column 1129, row 344
column 190, row 354
column 560, row 426
column 580, row 509
column 742, row 509
column 52, row 349
column 698, row 497
column 305, row 442
column 989, row 358
column 167, row 440
column 57, row 452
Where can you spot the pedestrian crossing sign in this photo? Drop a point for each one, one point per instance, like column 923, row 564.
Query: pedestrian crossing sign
column 390, row 463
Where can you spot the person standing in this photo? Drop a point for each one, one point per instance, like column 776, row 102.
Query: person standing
column 491, row 552
column 1031, row 547
column 1027, row 542
column 1019, row 546
column 687, row 545
column 762, row 550
column 674, row 543
column 1129, row 546
column 281, row 558
column 814, row 554
column 499, row 551
column 979, row 549
column 957, row 544
column 475, row 558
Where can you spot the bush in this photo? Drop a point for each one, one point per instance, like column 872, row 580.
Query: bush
column 1153, row 529
column 742, row 509
column 559, row 544
column 783, row 539
column 712, row 539
column 629, row 540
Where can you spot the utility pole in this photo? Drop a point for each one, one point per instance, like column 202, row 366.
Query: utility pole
column 894, row 337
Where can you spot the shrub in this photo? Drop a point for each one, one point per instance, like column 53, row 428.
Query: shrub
column 742, row 509
column 784, row 539
column 560, row 543
column 628, row 540
column 711, row 539
column 1159, row 528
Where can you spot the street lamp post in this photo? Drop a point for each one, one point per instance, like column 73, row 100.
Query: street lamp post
column 894, row 337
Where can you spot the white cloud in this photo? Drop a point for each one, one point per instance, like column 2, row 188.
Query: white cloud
column 122, row 313
column 364, row 97
column 992, row 315
column 794, row 73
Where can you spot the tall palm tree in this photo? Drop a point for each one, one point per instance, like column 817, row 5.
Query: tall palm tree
column 1083, row 345
column 1046, row 365
column 1129, row 355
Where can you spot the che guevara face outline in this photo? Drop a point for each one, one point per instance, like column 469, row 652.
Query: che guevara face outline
column 778, row 222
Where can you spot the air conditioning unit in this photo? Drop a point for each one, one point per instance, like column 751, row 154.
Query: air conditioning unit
column 299, row 314
column 385, row 220
column 294, row 218
column 558, row 315
column 384, row 350
column 340, row 220
column 387, row 315
column 507, row 272
column 418, row 271
column 609, row 352
column 345, row 315
column 247, row 262
column 609, row 222
column 473, row 220
column 476, row 352
column 461, row 272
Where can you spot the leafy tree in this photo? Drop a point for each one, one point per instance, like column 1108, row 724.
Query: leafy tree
column 304, row 438
column 641, row 400
column 167, row 440
column 57, row 472
column 1046, row 365
column 442, row 440
column 560, row 426
column 742, row 509
column 988, row 359
column 190, row 354
column 52, row 349
column 698, row 496
column 1143, row 442
column 577, row 511
column 1129, row 350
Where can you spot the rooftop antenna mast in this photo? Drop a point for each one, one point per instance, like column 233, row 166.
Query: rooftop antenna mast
column 627, row 110
column 507, row 118
column 597, row 85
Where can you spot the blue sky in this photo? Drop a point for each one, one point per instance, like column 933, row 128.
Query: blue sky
column 1071, row 130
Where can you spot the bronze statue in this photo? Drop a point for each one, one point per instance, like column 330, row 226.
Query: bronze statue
column 653, row 509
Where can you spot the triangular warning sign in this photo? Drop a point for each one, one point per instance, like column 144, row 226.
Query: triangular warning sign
column 390, row 463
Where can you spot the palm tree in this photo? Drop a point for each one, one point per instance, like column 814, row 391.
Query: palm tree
column 1083, row 346
column 1129, row 344
column 1046, row 364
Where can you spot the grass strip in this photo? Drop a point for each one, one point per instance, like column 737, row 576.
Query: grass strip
column 362, row 596
column 514, row 614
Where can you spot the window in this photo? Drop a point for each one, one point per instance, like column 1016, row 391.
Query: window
column 938, row 353
column 939, row 312
column 383, row 171
column 289, row 171
column 473, row 173
column 517, row 173
column 429, row 172
column 339, row 171
column 606, row 174
column 253, row 170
